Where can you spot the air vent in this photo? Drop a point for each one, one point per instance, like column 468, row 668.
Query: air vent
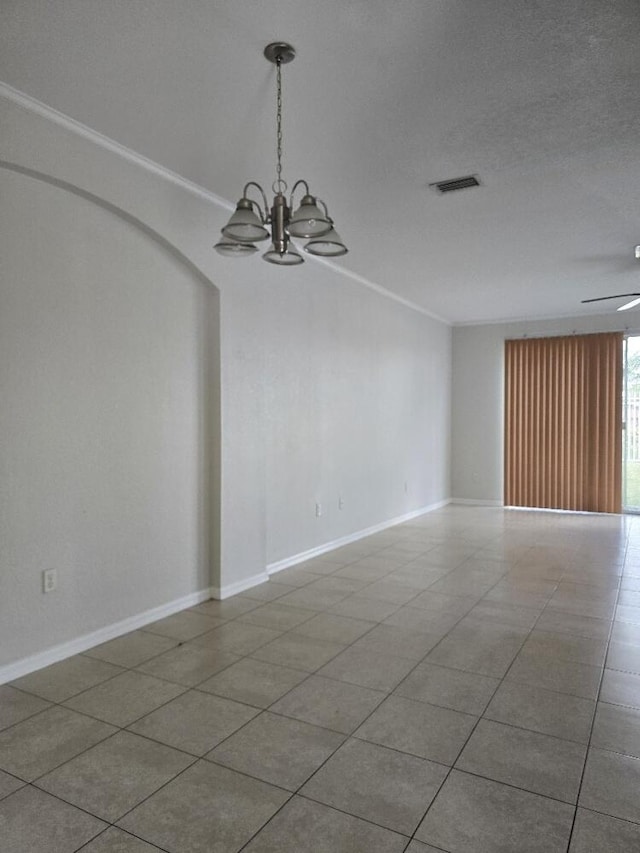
column 456, row 184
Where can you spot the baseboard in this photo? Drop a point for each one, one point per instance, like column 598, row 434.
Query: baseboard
column 303, row 556
column 221, row 592
column 11, row 671
column 475, row 502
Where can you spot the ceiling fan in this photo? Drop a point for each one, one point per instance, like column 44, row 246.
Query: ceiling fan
column 627, row 305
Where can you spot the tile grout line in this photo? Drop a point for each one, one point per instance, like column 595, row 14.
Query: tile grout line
column 597, row 700
column 481, row 716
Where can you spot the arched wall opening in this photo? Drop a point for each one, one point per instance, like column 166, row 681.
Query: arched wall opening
column 109, row 417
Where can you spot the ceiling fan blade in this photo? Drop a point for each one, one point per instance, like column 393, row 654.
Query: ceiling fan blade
column 603, row 298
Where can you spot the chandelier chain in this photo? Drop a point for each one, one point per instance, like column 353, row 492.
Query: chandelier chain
column 279, row 183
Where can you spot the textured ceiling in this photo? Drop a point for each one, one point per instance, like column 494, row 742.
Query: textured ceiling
column 540, row 98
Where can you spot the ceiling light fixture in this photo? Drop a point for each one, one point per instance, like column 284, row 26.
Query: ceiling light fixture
column 311, row 221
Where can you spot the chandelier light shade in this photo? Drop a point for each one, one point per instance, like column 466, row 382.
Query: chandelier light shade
column 245, row 224
column 309, row 220
column 253, row 220
column 328, row 245
column 230, row 247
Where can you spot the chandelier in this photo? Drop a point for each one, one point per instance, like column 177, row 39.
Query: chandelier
column 253, row 220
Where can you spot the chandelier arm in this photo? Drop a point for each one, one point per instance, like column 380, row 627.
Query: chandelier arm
column 295, row 186
column 264, row 214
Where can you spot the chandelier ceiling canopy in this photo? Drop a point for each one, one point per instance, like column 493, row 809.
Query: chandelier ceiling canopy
column 253, row 219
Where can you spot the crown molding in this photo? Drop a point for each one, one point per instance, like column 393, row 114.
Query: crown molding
column 378, row 288
column 33, row 105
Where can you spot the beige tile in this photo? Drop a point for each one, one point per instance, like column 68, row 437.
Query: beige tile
column 450, row 688
column 37, row 745
column 596, row 833
column 416, row 576
column 333, row 628
column 364, row 572
column 230, row 608
column 581, row 607
column 336, row 584
column 189, row 664
column 34, row 822
column 295, row 576
column 8, row 784
column 479, row 815
column 63, row 680
column 422, row 620
column 116, row 841
column 569, row 623
column 276, row 616
column 388, row 590
column 625, row 632
column 277, row 749
column 298, row 652
column 331, row 704
column 15, row 705
column 382, row 785
column 357, row 607
column 453, row 584
column 125, row 698
column 325, row 564
column 368, row 669
column 624, row 656
column 183, row 626
column 132, row 649
column 561, row 676
column 476, row 645
column 239, row 638
column 419, row 729
column 313, row 599
column 525, row 759
column 621, row 688
column 194, row 722
column 207, row 809
column 628, row 613
column 508, row 614
column 397, row 642
column 566, row 647
column 617, row 729
column 112, row 777
column 611, row 785
column 307, row 827
column 518, row 595
column 269, row 591
column 254, row 682
column 551, row 713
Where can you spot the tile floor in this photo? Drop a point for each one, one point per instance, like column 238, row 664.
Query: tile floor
column 440, row 686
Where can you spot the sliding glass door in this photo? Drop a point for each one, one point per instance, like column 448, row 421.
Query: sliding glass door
column 631, row 425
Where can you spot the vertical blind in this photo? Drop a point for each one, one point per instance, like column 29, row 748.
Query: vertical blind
column 563, row 422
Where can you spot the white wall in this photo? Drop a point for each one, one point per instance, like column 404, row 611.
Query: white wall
column 358, row 404
column 105, row 420
column 478, row 396
column 186, row 459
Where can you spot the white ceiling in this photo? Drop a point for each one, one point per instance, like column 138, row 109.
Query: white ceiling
column 540, row 98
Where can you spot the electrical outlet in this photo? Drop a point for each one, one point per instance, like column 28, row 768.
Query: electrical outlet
column 340, row 502
column 49, row 580
column 406, row 487
column 318, row 510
